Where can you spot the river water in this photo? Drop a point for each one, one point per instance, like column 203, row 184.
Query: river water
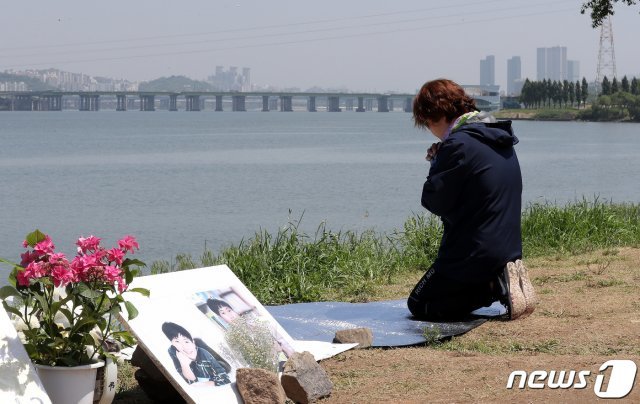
column 180, row 180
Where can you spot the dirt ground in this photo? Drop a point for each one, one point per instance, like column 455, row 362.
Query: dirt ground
column 589, row 313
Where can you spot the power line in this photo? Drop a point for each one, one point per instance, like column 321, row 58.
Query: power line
column 356, row 35
column 235, row 30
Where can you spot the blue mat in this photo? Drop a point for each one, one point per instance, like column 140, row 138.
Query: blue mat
column 390, row 322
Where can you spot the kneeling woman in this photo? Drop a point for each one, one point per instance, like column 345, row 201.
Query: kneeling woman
column 475, row 187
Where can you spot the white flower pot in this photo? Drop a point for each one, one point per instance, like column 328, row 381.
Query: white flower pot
column 69, row 385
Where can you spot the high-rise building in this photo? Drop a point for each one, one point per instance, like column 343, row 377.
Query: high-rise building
column 573, row 70
column 488, row 71
column 514, row 72
column 552, row 63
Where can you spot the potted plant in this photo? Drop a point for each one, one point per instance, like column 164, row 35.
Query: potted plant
column 66, row 309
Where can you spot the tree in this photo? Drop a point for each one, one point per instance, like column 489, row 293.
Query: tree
column 635, row 86
column 601, row 9
column 578, row 92
column 585, row 91
column 624, row 85
column 606, row 86
column 614, row 86
column 565, row 92
column 571, row 92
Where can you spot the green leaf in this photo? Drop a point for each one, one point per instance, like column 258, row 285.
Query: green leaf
column 131, row 310
column 10, row 263
column 35, row 237
column 142, row 291
column 7, row 291
column 133, row 261
column 67, row 313
column 12, row 310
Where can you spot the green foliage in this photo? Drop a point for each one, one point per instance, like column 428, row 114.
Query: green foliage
column 290, row 266
column 601, row 9
column 579, row 227
column 32, row 83
column 175, row 84
column 66, row 317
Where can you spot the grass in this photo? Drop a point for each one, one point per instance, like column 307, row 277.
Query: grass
column 291, row 266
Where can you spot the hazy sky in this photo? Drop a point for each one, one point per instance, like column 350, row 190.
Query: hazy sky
column 365, row 45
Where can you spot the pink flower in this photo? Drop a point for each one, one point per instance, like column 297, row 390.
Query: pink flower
column 122, row 285
column 23, row 277
column 28, row 257
column 128, row 243
column 89, row 243
column 58, row 258
column 25, row 244
column 62, row 275
column 37, row 269
column 45, row 246
column 111, row 274
column 115, row 255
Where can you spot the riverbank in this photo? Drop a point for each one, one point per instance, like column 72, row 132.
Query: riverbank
column 589, row 313
column 584, row 260
column 567, row 114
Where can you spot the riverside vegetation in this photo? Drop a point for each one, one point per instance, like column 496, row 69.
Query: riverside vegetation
column 581, row 268
column 291, row 266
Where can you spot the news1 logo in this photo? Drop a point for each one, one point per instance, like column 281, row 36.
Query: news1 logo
column 620, row 383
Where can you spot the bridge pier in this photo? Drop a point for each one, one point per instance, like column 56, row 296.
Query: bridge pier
column 360, row 104
column 273, row 104
column 333, row 104
column 390, row 104
column 408, row 104
column 192, row 102
column 382, row 104
column 238, row 103
column 311, row 104
column 348, row 104
column 147, row 102
column 369, row 104
column 50, row 103
column 218, row 103
column 89, row 102
column 265, row 103
column 173, row 102
column 121, row 102
column 285, row 103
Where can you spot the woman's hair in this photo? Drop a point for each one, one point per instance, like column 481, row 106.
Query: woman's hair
column 216, row 304
column 440, row 98
column 172, row 330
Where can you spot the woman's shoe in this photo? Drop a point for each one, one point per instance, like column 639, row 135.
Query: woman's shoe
column 515, row 298
column 530, row 296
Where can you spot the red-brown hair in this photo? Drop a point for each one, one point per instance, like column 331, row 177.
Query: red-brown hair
column 440, row 98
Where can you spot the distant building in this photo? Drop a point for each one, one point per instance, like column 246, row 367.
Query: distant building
column 552, row 63
column 573, row 70
column 488, row 71
column 231, row 80
column 487, row 97
column 514, row 73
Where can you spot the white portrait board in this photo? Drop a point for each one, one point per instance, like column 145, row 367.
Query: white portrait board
column 186, row 298
column 19, row 382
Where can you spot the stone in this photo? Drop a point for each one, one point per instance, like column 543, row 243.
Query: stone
column 362, row 336
column 140, row 359
column 259, row 386
column 304, row 380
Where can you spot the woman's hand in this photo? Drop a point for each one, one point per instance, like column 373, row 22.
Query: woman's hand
column 431, row 152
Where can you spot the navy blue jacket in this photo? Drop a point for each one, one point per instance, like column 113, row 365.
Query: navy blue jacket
column 475, row 186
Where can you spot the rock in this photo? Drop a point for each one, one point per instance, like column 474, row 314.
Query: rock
column 259, row 386
column 304, row 380
column 140, row 359
column 158, row 391
column 362, row 336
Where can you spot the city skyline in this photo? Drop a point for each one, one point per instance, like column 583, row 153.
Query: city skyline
column 364, row 46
